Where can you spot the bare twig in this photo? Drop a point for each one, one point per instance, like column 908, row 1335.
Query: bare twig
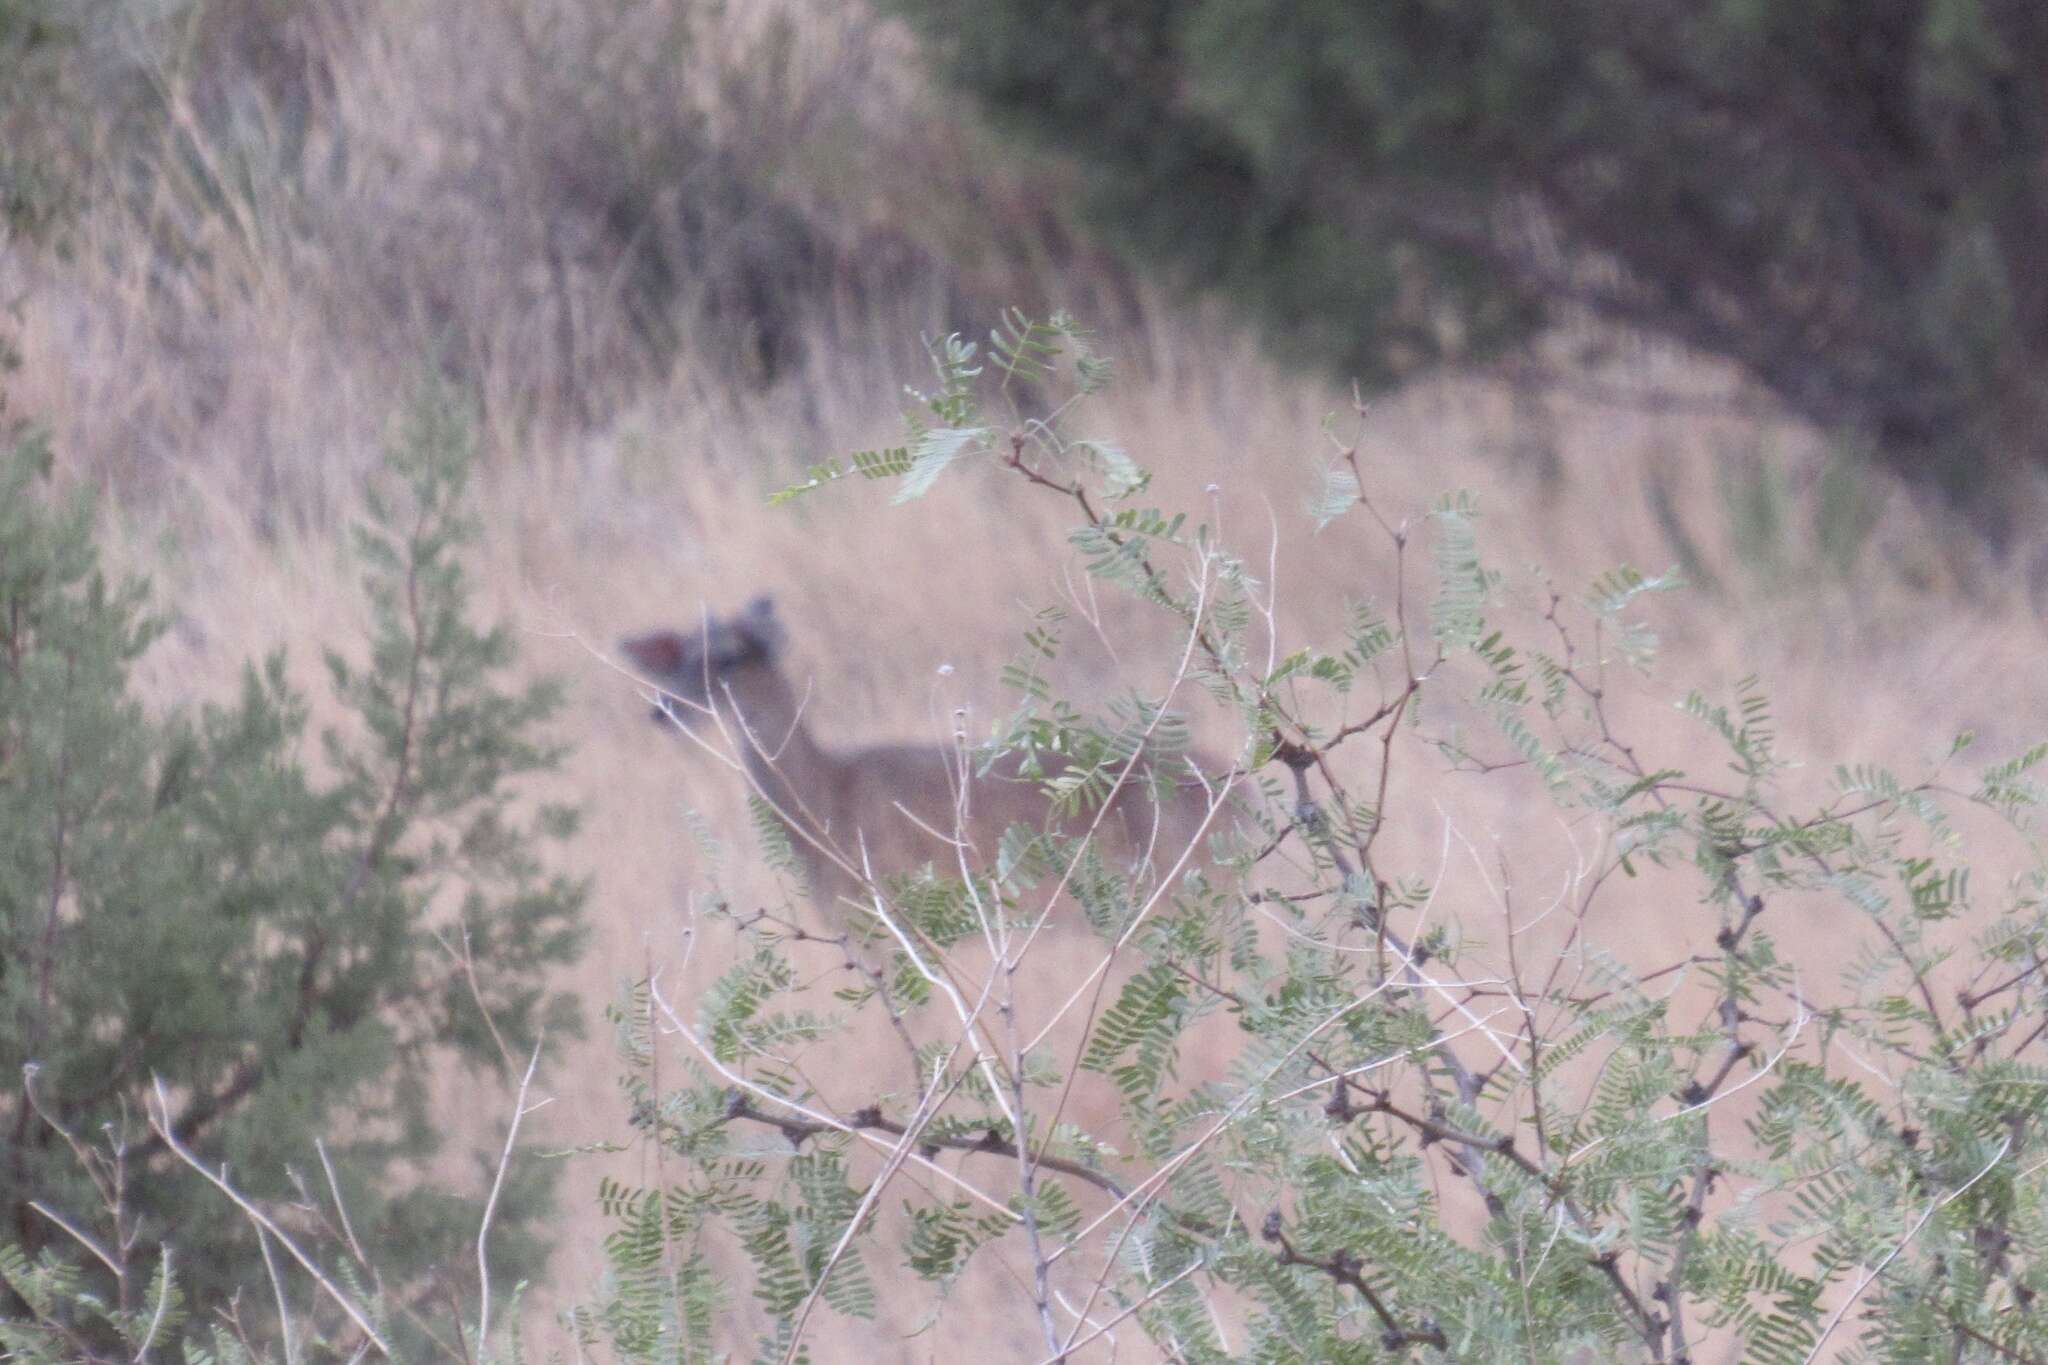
column 483, row 1231
column 163, row 1305
column 340, row 1205
column 160, row 1123
column 1876, row 1272
column 284, row 1310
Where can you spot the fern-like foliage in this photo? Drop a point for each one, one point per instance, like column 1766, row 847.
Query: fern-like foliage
column 1344, row 1083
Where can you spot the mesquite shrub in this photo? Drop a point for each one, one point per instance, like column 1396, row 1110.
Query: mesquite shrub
column 1464, row 1133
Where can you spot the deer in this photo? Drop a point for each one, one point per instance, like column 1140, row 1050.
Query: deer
column 861, row 814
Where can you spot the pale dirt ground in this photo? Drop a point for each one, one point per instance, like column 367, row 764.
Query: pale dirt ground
column 230, row 449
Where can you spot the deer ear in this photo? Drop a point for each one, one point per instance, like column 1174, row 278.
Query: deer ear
column 658, row 653
column 759, row 624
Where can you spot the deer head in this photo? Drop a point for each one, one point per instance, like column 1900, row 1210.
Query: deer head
column 700, row 668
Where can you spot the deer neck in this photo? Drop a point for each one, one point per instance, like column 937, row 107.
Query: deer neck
column 767, row 719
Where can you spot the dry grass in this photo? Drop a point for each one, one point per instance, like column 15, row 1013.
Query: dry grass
column 230, row 404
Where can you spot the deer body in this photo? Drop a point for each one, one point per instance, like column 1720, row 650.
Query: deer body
column 887, row 808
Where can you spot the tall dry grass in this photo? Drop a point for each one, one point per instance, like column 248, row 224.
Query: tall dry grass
column 674, row 271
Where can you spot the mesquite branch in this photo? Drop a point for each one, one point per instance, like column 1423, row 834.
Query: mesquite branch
column 1347, row 1270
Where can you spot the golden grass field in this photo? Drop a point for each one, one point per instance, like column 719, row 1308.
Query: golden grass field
column 228, row 407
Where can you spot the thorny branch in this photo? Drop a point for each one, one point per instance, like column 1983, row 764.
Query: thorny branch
column 1345, row 1269
column 1296, row 748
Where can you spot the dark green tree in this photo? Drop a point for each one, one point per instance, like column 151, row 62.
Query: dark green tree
column 62, row 86
column 1849, row 198
column 294, row 947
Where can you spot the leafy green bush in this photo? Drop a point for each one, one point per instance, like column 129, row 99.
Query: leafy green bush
column 1349, row 1124
column 32, row 43
column 1424, row 1142
column 211, row 941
